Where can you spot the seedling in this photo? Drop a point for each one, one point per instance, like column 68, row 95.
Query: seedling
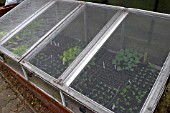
column 127, row 59
column 20, row 50
column 127, row 103
column 122, row 109
column 130, row 110
column 129, row 98
column 2, row 33
column 70, row 54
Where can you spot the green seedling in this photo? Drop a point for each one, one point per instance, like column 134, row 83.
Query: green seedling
column 2, row 33
column 20, row 50
column 70, row 55
column 27, row 32
column 127, row 59
column 130, row 110
column 122, row 109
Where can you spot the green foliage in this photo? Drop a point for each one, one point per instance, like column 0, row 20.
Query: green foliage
column 70, row 55
column 2, row 1
column 139, row 96
column 2, row 33
column 20, row 50
column 130, row 110
column 27, row 32
column 31, row 29
column 122, row 109
column 127, row 59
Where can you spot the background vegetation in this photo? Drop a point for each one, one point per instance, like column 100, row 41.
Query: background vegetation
column 163, row 6
column 2, row 1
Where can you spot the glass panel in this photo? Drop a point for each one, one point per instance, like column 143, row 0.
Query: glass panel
column 57, row 55
column 24, row 39
column 19, row 14
column 122, row 73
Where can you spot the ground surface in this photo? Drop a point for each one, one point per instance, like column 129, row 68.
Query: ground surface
column 164, row 104
column 10, row 102
column 14, row 96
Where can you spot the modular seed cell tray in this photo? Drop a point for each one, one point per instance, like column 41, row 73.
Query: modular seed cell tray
column 129, row 71
column 89, row 57
column 35, row 28
column 55, row 54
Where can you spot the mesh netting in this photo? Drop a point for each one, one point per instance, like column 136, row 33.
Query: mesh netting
column 151, row 35
column 24, row 39
column 66, row 46
column 126, row 67
column 19, row 14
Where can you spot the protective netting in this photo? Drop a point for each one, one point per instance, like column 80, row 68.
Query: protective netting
column 126, row 67
column 20, row 13
column 58, row 54
column 29, row 35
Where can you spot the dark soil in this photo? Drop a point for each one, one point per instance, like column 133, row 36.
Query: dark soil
column 49, row 59
column 121, row 92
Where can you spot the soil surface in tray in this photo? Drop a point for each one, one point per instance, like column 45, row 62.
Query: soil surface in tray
column 49, row 59
column 121, row 92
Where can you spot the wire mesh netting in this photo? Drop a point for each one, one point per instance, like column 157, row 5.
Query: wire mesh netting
column 62, row 50
column 125, row 69
column 19, row 14
column 25, row 38
column 122, row 72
